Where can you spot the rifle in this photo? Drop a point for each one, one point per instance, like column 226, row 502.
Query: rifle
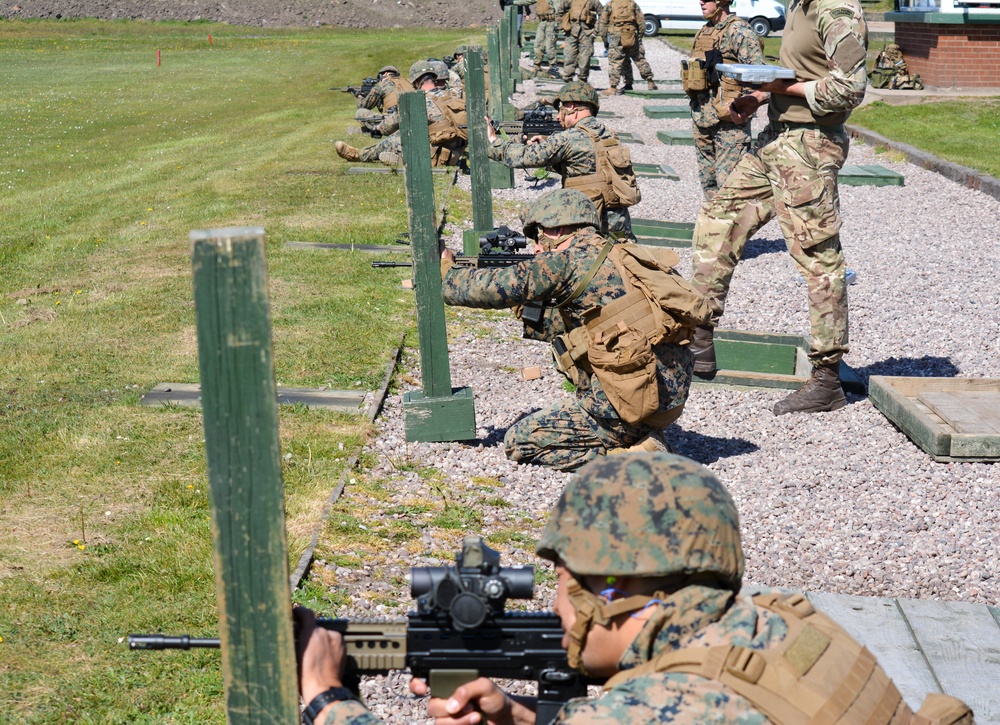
column 359, row 91
column 540, row 121
column 460, row 631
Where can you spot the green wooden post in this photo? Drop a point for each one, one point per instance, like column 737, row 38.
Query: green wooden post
column 514, row 57
column 438, row 413
column 482, row 196
column 501, row 177
column 244, row 476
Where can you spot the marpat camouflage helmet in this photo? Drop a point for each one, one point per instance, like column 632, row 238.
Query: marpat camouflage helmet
column 580, row 92
column 442, row 70
column 388, row 69
column 461, row 50
column 422, row 68
column 645, row 515
column 559, row 208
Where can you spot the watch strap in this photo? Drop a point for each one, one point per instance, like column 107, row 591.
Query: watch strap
column 334, row 694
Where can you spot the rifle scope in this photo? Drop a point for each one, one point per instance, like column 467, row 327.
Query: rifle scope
column 502, row 239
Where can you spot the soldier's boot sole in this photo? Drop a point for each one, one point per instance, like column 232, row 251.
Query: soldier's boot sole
column 822, row 394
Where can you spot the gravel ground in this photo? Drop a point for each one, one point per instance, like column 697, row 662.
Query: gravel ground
column 840, row 502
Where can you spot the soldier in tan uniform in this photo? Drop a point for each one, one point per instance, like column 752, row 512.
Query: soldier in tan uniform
column 578, row 23
column 649, row 565
column 622, row 22
column 382, row 101
column 792, row 173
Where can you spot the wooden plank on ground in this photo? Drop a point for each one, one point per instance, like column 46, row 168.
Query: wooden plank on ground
column 965, row 411
column 655, row 171
column 189, row 394
column 379, row 248
column 881, row 627
column 659, row 93
column 660, row 228
column 961, row 641
column 676, row 138
column 869, row 175
column 666, row 111
column 625, row 137
column 380, row 169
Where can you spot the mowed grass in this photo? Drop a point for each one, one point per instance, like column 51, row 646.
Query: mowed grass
column 107, row 162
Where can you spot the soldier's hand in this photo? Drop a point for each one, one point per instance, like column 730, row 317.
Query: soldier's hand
column 491, row 133
column 320, row 655
column 536, row 139
column 743, row 108
column 479, row 702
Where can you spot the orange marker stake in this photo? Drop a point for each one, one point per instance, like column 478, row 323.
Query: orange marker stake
column 209, row 39
column 157, row 59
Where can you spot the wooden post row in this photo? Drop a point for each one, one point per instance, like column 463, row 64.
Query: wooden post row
column 244, row 476
column 479, row 163
column 501, row 177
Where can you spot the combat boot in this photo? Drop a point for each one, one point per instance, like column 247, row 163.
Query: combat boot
column 651, row 85
column 609, row 91
column 821, row 394
column 627, row 86
column 649, row 443
column 703, row 348
column 348, row 153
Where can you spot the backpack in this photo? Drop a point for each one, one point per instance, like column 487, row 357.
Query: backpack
column 455, row 124
column 622, row 17
column 614, row 183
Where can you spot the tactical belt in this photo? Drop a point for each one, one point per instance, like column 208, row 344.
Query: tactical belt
column 547, row 17
column 780, row 126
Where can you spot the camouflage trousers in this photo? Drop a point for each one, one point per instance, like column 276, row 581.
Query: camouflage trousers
column 545, row 42
column 388, row 150
column 577, row 52
column 719, row 148
column 791, row 174
column 620, row 60
column 368, row 117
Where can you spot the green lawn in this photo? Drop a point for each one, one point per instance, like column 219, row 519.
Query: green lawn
column 107, row 162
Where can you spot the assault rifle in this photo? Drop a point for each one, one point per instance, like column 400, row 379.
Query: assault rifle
column 359, row 91
column 460, row 631
column 539, row 121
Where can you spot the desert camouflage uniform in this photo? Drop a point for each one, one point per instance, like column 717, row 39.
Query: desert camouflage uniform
column 620, row 59
column 574, row 430
column 721, row 144
column 792, row 173
column 545, row 34
column 371, row 111
column 579, row 48
column 389, row 150
column 569, row 152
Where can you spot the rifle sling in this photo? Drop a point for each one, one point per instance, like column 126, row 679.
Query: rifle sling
column 585, row 282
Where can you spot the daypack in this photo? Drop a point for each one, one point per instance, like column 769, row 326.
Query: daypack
column 622, row 18
column 613, row 183
column 455, row 124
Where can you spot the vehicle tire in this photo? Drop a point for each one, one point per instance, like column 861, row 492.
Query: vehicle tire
column 761, row 26
column 652, row 26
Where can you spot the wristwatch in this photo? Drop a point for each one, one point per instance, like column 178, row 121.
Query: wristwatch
column 334, row 694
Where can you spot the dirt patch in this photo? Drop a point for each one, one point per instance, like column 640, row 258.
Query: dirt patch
column 272, row 13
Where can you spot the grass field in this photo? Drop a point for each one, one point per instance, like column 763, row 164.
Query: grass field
column 107, row 161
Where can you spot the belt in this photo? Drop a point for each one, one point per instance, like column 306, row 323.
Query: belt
column 786, row 126
column 547, row 17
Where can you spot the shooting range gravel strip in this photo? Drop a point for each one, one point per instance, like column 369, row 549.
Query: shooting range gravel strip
column 840, row 502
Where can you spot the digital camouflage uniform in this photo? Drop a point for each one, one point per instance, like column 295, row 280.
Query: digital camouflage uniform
column 720, row 145
column 545, row 34
column 570, row 153
column 579, row 48
column 389, row 150
column 792, row 173
column 620, row 59
column 574, row 430
column 371, row 111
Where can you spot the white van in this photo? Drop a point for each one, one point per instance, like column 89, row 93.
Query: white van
column 765, row 16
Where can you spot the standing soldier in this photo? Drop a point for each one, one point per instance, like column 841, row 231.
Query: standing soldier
column 456, row 72
column 719, row 142
column 792, row 173
column 545, row 36
column 578, row 24
column 622, row 21
column 589, row 157
column 445, row 116
column 382, row 100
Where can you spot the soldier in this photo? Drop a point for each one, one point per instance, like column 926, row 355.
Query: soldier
column 576, row 268
column 622, row 22
column 445, row 114
column 578, row 23
column 456, row 72
column 719, row 142
column 792, row 172
column 382, row 100
column 609, row 181
column 548, row 11
column 649, row 565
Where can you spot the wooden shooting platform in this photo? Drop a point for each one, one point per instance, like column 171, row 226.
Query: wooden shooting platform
column 928, row 646
column 655, row 233
column 869, row 175
column 663, row 93
column 667, row 81
column 768, row 360
column 655, row 171
column 676, row 138
column 625, row 137
column 666, row 111
column 951, row 419
column 189, row 394
column 375, row 248
column 380, row 169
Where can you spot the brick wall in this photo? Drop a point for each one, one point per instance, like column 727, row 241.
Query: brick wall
column 952, row 56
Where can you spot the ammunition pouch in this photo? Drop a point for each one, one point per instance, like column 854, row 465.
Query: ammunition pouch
column 694, row 76
column 444, row 156
column 570, row 353
column 548, row 17
column 629, row 36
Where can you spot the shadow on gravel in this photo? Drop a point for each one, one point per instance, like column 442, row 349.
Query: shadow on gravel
column 910, row 367
column 759, row 247
column 707, row 449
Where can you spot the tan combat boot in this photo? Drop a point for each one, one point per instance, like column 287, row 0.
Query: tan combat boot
column 649, row 443
column 703, row 348
column 821, row 394
column 609, row 91
column 348, row 153
column 651, row 85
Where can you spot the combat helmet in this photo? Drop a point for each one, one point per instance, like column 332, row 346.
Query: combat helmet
column 580, row 92
column 461, row 50
column 559, row 208
column 441, row 69
column 422, row 68
column 646, row 515
column 390, row 69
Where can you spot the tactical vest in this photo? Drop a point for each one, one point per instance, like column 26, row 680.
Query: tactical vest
column 544, row 11
column 696, row 78
column 817, row 674
column 622, row 19
column 580, row 12
column 392, row 97
column 616, row 341
column 613, row 184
